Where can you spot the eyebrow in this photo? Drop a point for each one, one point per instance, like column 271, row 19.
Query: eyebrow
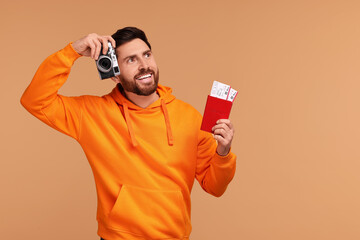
column 131, row 56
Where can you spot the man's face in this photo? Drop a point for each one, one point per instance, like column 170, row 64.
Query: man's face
column 138, row 70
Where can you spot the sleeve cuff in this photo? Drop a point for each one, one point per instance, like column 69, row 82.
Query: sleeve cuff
column 230, row 158
column 69, row 53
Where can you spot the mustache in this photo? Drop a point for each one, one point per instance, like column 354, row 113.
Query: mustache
column 143, row 72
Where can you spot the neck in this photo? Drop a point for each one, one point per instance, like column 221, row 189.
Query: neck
column 141, row 101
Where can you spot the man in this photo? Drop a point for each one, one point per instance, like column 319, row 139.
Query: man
column 145, row 147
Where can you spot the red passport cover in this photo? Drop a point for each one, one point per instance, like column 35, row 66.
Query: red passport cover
column 215, row 109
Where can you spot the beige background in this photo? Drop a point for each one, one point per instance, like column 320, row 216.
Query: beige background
column 295, row 65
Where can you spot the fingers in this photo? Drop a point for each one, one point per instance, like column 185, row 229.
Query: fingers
column 223, row 136
column 91, row 45
column 98, row 44
column 224, row 124
column 105, row 45
column 92, row 49
column 102, row 41
column 223, row 132
column 227, row 122
column 110, row 39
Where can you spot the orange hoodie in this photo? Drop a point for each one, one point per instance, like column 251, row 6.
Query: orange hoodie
column 144, row 161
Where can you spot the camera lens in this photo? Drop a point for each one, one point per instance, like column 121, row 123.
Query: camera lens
column 104, row 64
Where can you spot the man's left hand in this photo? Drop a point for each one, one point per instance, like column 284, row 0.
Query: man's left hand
column 223, row 133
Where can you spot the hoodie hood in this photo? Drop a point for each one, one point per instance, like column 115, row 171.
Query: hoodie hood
column 165, row 97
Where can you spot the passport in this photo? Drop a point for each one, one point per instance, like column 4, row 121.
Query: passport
column 218, row 105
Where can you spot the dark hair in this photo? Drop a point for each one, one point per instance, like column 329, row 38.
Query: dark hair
column 127, row 34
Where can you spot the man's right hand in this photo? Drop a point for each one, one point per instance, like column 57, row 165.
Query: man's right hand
column 90, row 45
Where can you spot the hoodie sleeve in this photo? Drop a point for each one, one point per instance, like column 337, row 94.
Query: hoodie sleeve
column 41, row 97
column 213, row 172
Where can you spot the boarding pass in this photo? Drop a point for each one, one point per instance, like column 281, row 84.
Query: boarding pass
column 223, row 91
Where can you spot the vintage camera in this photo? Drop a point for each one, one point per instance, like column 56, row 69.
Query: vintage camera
column 107, row 64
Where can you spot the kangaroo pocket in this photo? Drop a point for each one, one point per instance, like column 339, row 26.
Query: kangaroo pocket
column 150, row 213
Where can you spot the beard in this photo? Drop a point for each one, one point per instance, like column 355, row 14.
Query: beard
column 132, row 85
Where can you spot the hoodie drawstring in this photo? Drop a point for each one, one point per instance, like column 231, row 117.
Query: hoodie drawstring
column 128, row 122
column 167, row 122
column 131, row 130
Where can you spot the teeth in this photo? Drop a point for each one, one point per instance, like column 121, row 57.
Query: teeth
column 145, row 76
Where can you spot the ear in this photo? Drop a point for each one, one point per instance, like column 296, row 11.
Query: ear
column 116, row 79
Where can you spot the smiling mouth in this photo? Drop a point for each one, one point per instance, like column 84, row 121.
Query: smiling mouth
column 144, row 76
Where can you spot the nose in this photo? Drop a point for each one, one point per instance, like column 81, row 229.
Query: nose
column 143, row 64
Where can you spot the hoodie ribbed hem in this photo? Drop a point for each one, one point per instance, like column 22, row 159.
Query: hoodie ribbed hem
column 115, row 234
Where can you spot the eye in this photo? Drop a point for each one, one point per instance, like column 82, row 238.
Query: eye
column 130, row 60
column 147, row 55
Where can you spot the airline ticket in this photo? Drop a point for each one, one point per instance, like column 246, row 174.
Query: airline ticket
column 223, row 91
